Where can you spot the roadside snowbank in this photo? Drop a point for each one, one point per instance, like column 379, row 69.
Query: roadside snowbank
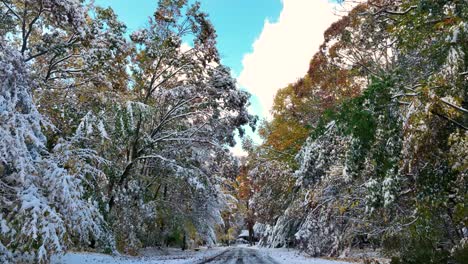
column 149, row 256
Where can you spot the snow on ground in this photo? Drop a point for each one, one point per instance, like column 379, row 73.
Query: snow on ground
column 177, row 256
column 293, row 256
column 148, row 256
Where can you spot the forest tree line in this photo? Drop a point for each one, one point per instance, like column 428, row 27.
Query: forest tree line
column 370, row 148
column 109, row 139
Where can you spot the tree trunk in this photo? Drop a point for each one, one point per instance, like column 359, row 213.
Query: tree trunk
column 251, row 234
column 184, row 242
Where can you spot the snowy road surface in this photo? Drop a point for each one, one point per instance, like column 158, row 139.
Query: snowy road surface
column 229, row 255
column 240, row 255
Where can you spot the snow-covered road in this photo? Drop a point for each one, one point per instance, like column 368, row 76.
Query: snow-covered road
column 224, row 255
column 255, row 255
column 240, row 255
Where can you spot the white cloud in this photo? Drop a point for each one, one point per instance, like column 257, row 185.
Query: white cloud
column 282, row 52
column 238, row 151
column 185, row 47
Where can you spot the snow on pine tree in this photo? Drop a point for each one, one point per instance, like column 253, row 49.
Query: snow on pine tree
column 42, row 203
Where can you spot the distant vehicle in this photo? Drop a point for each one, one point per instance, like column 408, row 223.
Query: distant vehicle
column 241, row 241
column 244, row 234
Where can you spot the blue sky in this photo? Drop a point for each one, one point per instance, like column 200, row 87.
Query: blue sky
column 237, row 22
column 266, row 43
